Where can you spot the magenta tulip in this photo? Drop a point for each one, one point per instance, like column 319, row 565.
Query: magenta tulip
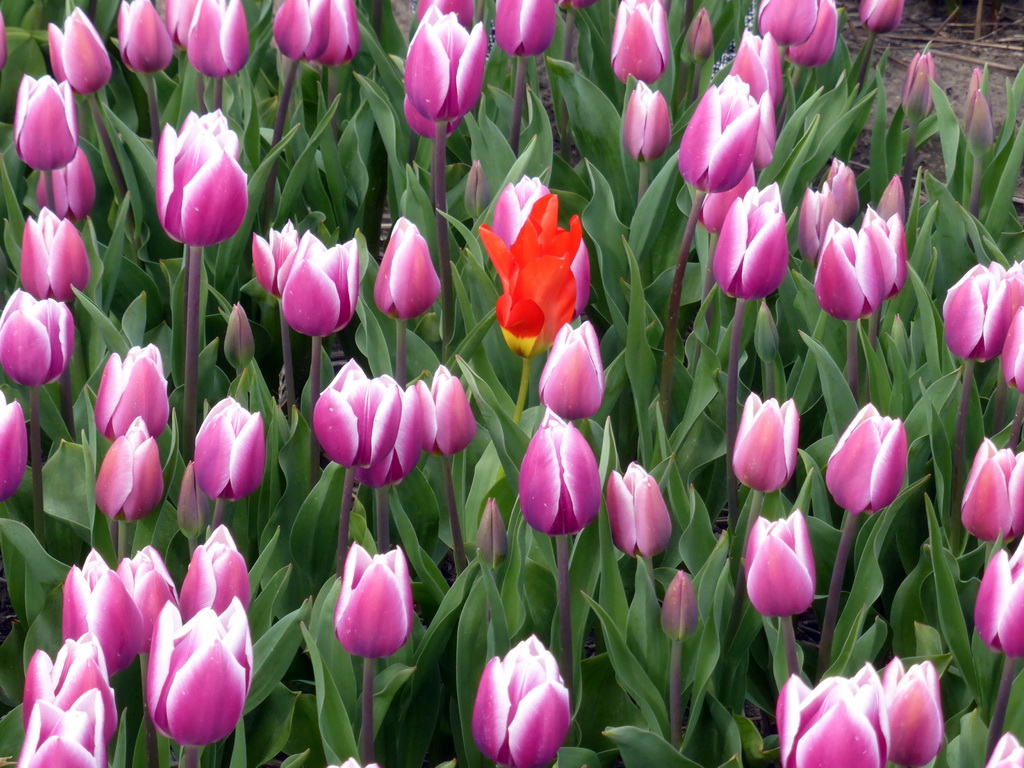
column 881, row 16
column 320, row 295
column 819, row 47
column 357, row 418
column 342, row 34
column 71, row 738
column 572, row 382
column 817, row 212
column 843, row 184
column 640, row 44
column 53, row 258
column 142, row 35
column 456, row 427
column 780, row 566
column 131, row 388
column 639, row 519
column 977, row 313
column 13, row 447
column 74, row 190
column 752, row 253
column 888, row 241
column 524, row 27
column 130, row 483
column 415, row 428
column 993, row 502
column 151, row 587
column 790, row 22
column 1007, row 754
column 647, row 126
column 218, row 38
column 999, row 610
column 407, row 284
column 201, row 191
column 765, row 454
column 301, row 28
column 179, row 15
column 36, row 339
column 444, row 71
column 917, row 87
column 850, row 282
column 865, row 471
column 1013, row 352
column 892, row 202
column 759, row 65
column 3, row 41
column 717, row 204
column 916, row 725
column 464, row 9
column 521, row 714
column 45, row 123
column 374, row 615
column 272, row 261
column 423, row 126
column 216, row 576
column 559, row 484
column 78, row 54
column 230, row 451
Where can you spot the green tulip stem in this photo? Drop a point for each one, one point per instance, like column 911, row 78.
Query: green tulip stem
column 909, row 160
column 975, row 203
column 343, row 523
column 286, row 354
column 201, row 92
column 383, row 524
column 709, row 272
column 995, row 730
column 524, row 388
column 698, row 72
column 675, row 693
column 852, row 353
column 108, row 145
column 869, row 46
column 562, row 123
column 739, row 573
column 366, row 734
column 643, row 181
column 789, row 636
column 36, row 453
column 1018, row 419
column 835, row 589
column 193, row 268
column 999, row 405
column 518, row 99
column 444, row 259
column 332, row 94
column 874, row 320
column 570, row 34
column 315, row 357
column 220, row 508
column 123, row 548
column 401, row 355
column 458, row 546
column 152, row 746
column 154, row 110
column 51, row 197
column 190, row 757
column 218, row 93
column 290, row 74
column 956, row 526
column 67, row 406
column 672, row 324
column 732, row 415
column 562, row 543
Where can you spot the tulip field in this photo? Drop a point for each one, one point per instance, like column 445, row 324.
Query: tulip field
column 589, row 383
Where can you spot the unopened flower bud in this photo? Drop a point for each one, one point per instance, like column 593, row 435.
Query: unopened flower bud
column 478, row 192
column 978, row 123
column 239, row 346
column 917, row 88
column 491, row 538
column 700, row 41
column 193, row 506
column 679, row 615
column 766, row 335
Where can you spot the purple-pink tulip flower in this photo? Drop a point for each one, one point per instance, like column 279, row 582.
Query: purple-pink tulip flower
column 999, row 610
column 717, row 204
column 13, row 447
column 640, row 523
column 455, row 429
column 444, row 71
column 179, row 15
column 524, row 27
column 96, row 601
column 301, row 28
column 790, row 22
column 917, row 87
column 216, row 575
column 916, row 725
column 323, row 286
column 764, row 457
column 680, row 615
column 36, row 339
column 70, row 738
column 53, row 258
column 45, row 123
column 521, row 714
column 218, row 38
column 843, row 184
column 572, row 382
column 272, row 260
column 977, row 313
column 374, row 615
column 151, row 587
column 889, row 242
column 230, row 451
column 131, row 388
column 357, row 418
column 143, row 37
column 759, row 65
column 201, row 191
column 820, row 46
column 559, row 484
column 752, row 253
column 646, row 126
column 640, row 44
column 130, row 483
column 817, row 212
column 464, row 9
column 865, row 471
column 993, row 502
column 200, row 672
column 881, row 16
column 780, row 566
column 1007, row 754
column 414, row 431
column 423, row 126
column 78, row 54
column 74, row 190
column 851, row 281
column 407, row 284
column 892, row 202
column 342, row 34
column 1013, row 352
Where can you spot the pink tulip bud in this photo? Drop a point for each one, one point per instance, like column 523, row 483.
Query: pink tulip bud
column 1014, row 282
column 892, row 202
column 866, row 469
column 679, row 612
column 1013, row 352
column 407, row 284
column 646, row 127
column 640, row 44
column 323, row 285
column 491, row 537
column 976, row 312
column 780, row 566
column 477, row 195
column 464, row 9
column 572, row 382
column 145, row 43
column 978, row 121
column 193, row 505
column 640, row 522
column 1007, row 754
column 96, row 601
column 71, row 737
column 917, row 88
column 272, row 261
column 423, row 126
column 201, row 191
column 230, row 451
column 78, row 54
column 764, row 457
column 342, row 35
column 179, row 15
column 356, row 418
column 3, row 41
column 151, row 587
column 881, row 16
column 53, row 258
column 415, row 428
column 843, row 184
column 820, row 46
column 130, row 483
column 841, row 722
column 444, row 71
column 455, row 430
column 524, row 27
column 817, row 211
column 239, row 346
column 45, row 123
column 36, row 339
column 13, row 447
column 559, row 485
column 78, row 669
column 73, row 189
column 993, row 503
column 521, row 714
column 790, row 22
column 216, row 576
column 850, row 282
column 888, row 241
column 218, row 38
column 759, row 65
column 132, row 388
column 998, row 613
column 916, row 725
column 199, row 674
column 752, row 253
column 374, row 615
column 301, row 28
column 700, row 40
column 717, row 204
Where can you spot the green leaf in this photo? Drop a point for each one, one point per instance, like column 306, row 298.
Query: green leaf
column 32, row 575
column 339, row 742
column 644, row 749
column 69, row 484
column 841, row 405
column 273, row 654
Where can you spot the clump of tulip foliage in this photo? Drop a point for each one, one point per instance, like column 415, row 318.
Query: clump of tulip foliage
column 358, row 410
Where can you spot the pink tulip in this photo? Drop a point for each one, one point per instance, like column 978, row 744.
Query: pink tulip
column 817, row 212
column 374, row 616
column 424, row 126
column 36, row 339
column 301, row 28
column 199, row 674
column 647, row 126
column 3, row 41
column 759, row 65
column 201, row 191
column 917, row 87
column 640, row 44
column 357, row 418
column 916, row 725
column 559, row 485
column 999, row 610
column 680, row 617
column 74, row 190
column 639, row 519
column 45, row 123
column 851, row 282
column 142, row 35
column 843, row 183
column 239, row 345
column 151, row 587
column 842, row 722
column 892, row 202
column 752, row 253
column 521, row 714
column 977, row 313
column 96, row 601
column 464, row 9
column 193, row 507
column 78, row 54
column 572, row 382
column 216, row 576
column 13, row 447
column 53, row 258
column 342, row 33
column 456, row 427
column 417, row 423
column 218, row 38
column 71, row 738
column 351, row 763
column 130, row 483
column 524, row 27
column 765, row 454
column 866, row 469
column 881, row 16
column 993, row 502
column 407, row 284
column 888, row 241
column 1007, row 754
column 323, row 285
column 132, row 388
column 790, row 22
column 272, row 261
column 819, row 47
column 978, row 120
column 717, row 204
column 444, row 71
column 230, row 451
column 780, row 566
column 179, row 15
column 1013, row 352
